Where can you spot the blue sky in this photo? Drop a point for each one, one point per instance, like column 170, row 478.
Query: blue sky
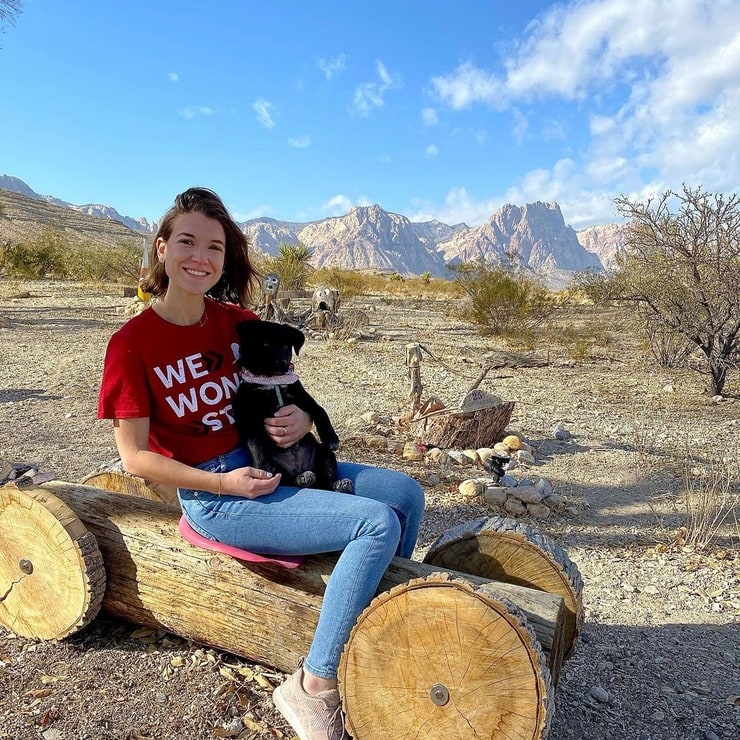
column 301, row 110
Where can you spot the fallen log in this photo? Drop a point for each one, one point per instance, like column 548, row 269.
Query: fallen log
column 484, row 633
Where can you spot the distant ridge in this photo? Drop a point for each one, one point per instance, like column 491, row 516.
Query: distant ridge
column 367, row 237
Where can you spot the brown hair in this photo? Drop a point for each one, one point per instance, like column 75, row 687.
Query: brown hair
column 239, row 276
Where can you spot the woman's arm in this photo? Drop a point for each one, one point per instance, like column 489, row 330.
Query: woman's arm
column 132, row 440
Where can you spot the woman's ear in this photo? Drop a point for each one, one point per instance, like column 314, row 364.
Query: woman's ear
column 161, row 249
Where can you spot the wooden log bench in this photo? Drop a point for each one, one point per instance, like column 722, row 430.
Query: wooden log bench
column 454, row 653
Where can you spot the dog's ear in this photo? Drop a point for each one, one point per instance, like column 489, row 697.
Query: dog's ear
column 296, row 337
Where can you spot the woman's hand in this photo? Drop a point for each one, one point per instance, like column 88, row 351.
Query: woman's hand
column 288, row 426
column 249, row 482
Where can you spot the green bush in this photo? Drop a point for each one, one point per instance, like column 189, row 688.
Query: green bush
column 502, row 302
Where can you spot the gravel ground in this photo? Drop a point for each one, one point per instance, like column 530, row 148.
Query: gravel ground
column 659, row 656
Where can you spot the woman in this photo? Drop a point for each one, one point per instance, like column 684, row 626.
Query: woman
column 168, row 381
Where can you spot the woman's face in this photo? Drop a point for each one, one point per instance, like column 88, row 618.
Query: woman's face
column 194, row 253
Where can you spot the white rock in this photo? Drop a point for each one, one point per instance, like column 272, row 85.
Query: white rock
column 525, row 458
column 459, row 457
column 472, row 455
column 484, row 453
column 370, row 417
column 560, row 432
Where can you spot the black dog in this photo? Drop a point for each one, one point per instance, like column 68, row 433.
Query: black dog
column 268, row 383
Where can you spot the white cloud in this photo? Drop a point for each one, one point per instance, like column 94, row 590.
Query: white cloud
column 431, row 151
column 173, row 77
column 332, row 67
column 429, row 117
column 265, row 111
column 300, row 142
column 371, row 95
column 654, row 88
column 340, row 204
column 196, row 111
column 520, row 126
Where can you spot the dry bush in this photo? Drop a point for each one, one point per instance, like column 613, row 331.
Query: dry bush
column 710, row 499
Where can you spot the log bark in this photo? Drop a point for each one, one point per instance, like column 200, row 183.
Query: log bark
column 261, row 612
column 465, row 429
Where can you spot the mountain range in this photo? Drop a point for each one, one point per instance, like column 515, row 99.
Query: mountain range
column 533, row 236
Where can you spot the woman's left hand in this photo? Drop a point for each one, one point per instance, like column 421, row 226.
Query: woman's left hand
column 288, row 426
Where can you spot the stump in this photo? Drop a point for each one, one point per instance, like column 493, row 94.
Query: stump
column 507, row 550
column 52, row 576
column 435, row 657
column 465, row 429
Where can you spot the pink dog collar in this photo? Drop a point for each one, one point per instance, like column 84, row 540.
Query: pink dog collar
column 287, row 379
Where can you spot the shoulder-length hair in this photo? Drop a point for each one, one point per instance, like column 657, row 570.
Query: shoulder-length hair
column 239, row 277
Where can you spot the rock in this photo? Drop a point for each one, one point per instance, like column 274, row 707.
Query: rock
column 514, row 507
column 525, row 458
column 539, row 511
column 601, row 695
column 501, row 449
column 508, row 481
column 484, row 453
column 370, row 417
column 495, row 495
column 435, row 455
column 544, row 487
column 526, row 494
column 561, row 433
column 512, row 442
column 459, row 457
column 472, row 455
column 472, row 487
column 412, row 452
column 376, row 442
column 395, row 446
column 556, row 500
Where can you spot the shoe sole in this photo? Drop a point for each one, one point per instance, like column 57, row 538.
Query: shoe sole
column 288, row 713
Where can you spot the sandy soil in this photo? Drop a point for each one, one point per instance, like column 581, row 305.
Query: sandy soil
column 659, row 656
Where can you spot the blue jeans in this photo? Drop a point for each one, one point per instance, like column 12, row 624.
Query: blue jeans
column 381, row 519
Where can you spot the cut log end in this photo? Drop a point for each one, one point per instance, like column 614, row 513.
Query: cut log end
column 52, row 576
column 438, row 658
column 510, row 551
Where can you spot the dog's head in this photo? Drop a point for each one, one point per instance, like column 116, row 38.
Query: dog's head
column 266, row 347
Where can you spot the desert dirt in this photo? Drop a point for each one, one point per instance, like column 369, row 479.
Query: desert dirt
column 659, row 656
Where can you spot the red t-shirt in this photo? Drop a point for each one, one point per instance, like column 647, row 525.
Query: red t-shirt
column 182, row 377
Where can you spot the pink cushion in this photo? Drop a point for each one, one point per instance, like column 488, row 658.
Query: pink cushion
column 191, row 536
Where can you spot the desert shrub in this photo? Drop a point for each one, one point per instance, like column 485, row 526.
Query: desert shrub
column 669, row 348
column 710, row 498
column 292, row 265
column 90, row 262
column 502, row 302
column 42, row 257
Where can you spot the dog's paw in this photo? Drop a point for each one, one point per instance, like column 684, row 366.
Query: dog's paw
column 306, row 479
column 343, row 485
